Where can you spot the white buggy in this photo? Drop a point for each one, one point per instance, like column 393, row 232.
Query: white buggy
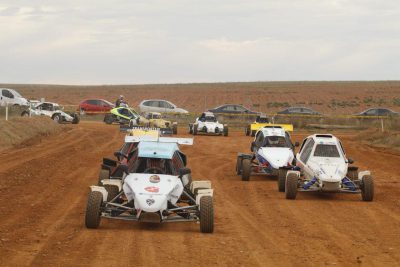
column 158, row 189
column 207, row 124
column 52, row 110
column 272, row 150
column 322, row 166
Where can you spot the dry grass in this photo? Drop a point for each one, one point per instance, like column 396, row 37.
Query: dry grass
column 25, row 131
column 389, row 139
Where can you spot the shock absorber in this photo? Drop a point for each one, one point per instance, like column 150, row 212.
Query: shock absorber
column 349, row 184
column 310, row 183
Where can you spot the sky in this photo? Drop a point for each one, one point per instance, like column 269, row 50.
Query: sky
column 184, row 41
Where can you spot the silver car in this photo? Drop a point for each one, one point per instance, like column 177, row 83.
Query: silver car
column 160, row 105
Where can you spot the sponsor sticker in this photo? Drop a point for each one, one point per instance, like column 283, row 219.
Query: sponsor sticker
column 154, row 179
column 152, row 189
column 150, row 201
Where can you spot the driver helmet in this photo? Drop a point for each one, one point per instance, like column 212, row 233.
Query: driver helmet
column 273, row 140
column 121, row 97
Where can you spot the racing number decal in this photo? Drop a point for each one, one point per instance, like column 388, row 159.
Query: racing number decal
column 152, row 189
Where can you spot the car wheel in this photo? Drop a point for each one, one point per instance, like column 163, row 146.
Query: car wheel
column 190, row 129
column 352, row 174
column 103, row 174
column 226, row 131
column 247, row 130
column 194, row 129
column 291, row 186
column 206, row 214
column 108, row 119
column 175, row 129
column 239, row 165
column 281, row 179
column 93, row 209
column 25, row 114
column 246, row 169
column 56, row 118
column 253, row 133
column 76, row 119
column 112, row 190
column 367, row 188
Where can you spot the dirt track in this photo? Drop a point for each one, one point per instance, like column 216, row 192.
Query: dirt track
column 43, row 197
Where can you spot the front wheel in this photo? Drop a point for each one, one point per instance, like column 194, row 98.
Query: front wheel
column 239, row 165
column 57, row 118
column 226, row 131
column 76, row 119
column 367, row 188
column 281, row 179
column 108, row 119
column 247, row 131
column 291, row 186
column 246, row 169
column 25, row 114
column 194, row 129
column 175, row 129
column 93, row 210
column 206, row 214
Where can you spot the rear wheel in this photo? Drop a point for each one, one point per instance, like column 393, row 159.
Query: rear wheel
column 246, row 169
column 247, row 130
column 253, row 133
column 103, row 174
column 25, row 114
column 291, row 186
column 57, row 118
column 93, row 210
column 281, row 179
column 239, row 165
column 206, row 214
column 367, row 188
column 194, row 129
column 175, row 129
column 76, row 119
column 190, row 129
column 226, row 131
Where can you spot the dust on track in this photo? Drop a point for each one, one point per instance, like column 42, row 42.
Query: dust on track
column 43, row 190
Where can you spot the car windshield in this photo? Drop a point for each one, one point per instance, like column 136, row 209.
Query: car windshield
column 210, row 118
column 108, row 102
column 329, row 151
column 57, row 107
column 16, row 93
column 262, row 120
column 275, row 141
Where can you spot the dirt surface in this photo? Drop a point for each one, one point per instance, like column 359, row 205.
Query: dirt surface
column 44, row 190
column 325, row 97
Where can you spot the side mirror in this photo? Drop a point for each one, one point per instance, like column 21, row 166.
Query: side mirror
column 296, row 144
column 350, row 161
column 184, row 171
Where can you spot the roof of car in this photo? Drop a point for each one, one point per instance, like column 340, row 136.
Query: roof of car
column 327, row 139
column 273, row 131
column 154, row 113
column 157, row 150
column 208, row 114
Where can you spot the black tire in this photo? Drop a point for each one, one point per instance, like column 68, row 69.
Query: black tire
column 282, row 179
column 76, row 119
column 247, row 130
column 291, row 186
column 174, row 129
column 239, row 165
column 226, row 131
column 194, row 129
column 367, row 188
column 108, row 119
column 57, row 118
column 253, row 133
column 206, row 214
column 103, row 174
column 93, row 210
column 25, row 114
column 112, row 190
column 246, row 169
column 190, row 129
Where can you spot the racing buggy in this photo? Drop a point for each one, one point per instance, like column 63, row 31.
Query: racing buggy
column 157, row 189
column 156, row 121
column 272, row 150
column 52, row 110
column 207, row 124
column 125, row 115
column 262, row 121
column 322, row 166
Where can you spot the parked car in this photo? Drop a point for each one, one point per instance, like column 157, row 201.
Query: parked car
column 232, row 109
column 95, row 105
column 12, row 98
column 159, row 105
column 299, row 111
column 377, row 112
column 52, row 110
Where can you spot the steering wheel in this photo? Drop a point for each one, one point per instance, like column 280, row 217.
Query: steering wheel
column 154, row 170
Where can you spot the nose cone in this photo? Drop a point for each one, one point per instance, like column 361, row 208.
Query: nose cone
column 151, row 203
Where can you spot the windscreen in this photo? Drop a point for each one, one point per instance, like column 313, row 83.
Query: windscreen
column 210, row 118
column 329, row 151
column 276, row 141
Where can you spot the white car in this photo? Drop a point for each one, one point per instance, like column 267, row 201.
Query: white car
column 12, row 98
column 272, row 150
column 52, row 110
column 207, row 123
column 160, row 105
column 157, row 189
column 322, row 166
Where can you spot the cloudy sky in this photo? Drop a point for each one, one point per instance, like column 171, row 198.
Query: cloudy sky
column 168, row 41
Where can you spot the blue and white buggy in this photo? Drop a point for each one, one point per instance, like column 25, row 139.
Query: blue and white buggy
column 157, row 189
column 272, row 150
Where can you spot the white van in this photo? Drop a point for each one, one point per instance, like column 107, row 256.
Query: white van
column 11, row 97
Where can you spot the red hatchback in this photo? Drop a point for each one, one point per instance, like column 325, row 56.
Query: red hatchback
column 95, row 106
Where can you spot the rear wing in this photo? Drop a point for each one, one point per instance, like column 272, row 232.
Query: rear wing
column 258, row 126
column 147, row 138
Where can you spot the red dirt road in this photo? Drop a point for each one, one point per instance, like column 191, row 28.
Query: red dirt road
column 43, row 190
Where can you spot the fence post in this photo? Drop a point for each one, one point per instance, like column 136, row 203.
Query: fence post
column 382, row 125
column 6, row 111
